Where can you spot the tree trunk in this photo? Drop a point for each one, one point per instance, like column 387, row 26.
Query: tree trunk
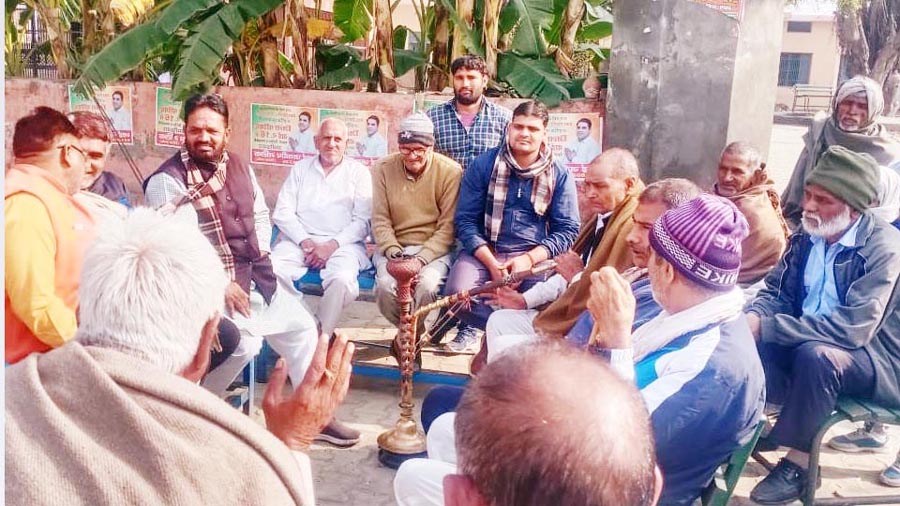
column 853, row 41
column 886, row 60
column 268, row 47
column 299, row 40
column 437, row 74
column 491, row 35
column 570, row 23
column 58, row 47
column 384, row 46
column 466, row 11
column 88, row 29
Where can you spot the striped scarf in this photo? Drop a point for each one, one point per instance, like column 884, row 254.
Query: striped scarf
column 541, row 188
column 200, row 194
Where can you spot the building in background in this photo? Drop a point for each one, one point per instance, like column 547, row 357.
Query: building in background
column 810, row 51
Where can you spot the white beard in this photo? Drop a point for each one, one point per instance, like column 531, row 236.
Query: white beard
column 815, row 226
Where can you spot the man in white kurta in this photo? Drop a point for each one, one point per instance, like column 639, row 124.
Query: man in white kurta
column 323, row 214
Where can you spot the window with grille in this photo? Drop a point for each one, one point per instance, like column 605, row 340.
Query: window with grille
column 799, row 26
column 794, row 69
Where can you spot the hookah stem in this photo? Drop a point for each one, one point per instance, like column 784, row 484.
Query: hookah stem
column 458, row 299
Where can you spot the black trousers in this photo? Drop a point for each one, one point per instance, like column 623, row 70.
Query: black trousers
column 807, row 380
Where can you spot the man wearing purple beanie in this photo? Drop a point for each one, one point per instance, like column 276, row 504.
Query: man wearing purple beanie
column 695, row 363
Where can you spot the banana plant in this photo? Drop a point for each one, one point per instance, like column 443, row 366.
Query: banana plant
column 204, row 30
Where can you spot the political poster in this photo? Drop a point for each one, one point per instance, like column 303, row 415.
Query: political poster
column 115, row 102
column 575, row 139
column 366, row 133
column 282, row 134
column 169, row 125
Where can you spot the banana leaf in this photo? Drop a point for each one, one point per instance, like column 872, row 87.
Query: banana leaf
column 340, row 64
column 353, row 18
column 471, row 36
column 124, row 53
column 596, row 24
column 531, row 19
column 537, row 78
column 405, row 60
column 207, row 42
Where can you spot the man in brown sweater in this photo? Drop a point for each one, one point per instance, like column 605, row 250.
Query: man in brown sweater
column 414, row 195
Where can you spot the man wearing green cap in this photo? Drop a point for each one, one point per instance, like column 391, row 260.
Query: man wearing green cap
column 827, row 323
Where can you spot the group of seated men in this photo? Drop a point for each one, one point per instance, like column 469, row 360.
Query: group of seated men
column 702, row 301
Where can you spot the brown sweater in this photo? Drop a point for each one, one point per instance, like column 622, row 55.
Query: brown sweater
column 413, row 212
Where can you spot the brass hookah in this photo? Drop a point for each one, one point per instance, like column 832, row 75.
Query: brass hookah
column 407, row 439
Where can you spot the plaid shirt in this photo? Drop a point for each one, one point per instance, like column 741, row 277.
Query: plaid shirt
column 453, row 140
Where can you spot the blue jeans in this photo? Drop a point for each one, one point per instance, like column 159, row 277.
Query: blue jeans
column 467, row 273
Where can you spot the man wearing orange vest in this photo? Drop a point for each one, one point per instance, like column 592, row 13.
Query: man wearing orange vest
column 47, row 232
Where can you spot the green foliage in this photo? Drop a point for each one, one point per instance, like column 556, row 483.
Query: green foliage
column 354, row 18
column 212, row 27
column 537, row 78
column 339, row 65
column 531, row 20
column 596, row 24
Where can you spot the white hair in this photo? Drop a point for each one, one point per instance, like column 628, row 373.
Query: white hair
column 148, row 286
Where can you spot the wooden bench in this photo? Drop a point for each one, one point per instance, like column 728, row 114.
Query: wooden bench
column 805, row 92
column 854, row 410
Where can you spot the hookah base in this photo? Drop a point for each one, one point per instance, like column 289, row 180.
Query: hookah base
column 393, row 460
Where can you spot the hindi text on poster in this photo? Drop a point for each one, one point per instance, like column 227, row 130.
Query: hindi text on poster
column 575, row 139
column 282, row 134
column 169, row 126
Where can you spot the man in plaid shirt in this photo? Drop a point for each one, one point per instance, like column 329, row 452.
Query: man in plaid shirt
column 468, row 125
column 465, row 127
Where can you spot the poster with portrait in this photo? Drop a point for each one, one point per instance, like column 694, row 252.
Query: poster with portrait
column 366, row 133
column 575, row 139
column 169, row 125
column 282, row 134
column 116, row 103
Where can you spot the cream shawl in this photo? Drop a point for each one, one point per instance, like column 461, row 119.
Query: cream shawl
column 86, row 425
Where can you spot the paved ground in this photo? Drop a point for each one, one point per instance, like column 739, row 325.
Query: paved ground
column 354, row 476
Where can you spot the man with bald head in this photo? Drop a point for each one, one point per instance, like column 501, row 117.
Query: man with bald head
column 476, row 458
column 612, row 186
column 323, row 214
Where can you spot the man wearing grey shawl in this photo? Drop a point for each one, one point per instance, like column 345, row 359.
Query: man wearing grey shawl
column 854, row 125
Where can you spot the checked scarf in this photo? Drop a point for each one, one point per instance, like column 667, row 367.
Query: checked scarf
column 200, row 194
column 541, row 189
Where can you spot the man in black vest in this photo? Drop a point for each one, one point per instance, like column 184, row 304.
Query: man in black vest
column 213, row 187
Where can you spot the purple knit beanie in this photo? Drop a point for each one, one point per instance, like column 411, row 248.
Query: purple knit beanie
column 702, row 239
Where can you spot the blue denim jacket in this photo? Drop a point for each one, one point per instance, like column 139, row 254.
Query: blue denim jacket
column 522, row 228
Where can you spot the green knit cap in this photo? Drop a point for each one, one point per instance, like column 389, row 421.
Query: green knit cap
column 850, row 176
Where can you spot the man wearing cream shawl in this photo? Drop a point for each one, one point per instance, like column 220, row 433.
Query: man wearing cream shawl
column 118, row 417
column 612, row 186
column 741, row 178
column 854, row 125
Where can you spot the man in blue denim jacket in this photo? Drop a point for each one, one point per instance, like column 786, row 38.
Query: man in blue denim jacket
column 517, row 207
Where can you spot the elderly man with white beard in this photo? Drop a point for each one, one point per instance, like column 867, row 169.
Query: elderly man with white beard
column 827, row 323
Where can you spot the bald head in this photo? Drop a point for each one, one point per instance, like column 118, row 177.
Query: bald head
column 331, row 141
column 548, row 424
column 609, row 178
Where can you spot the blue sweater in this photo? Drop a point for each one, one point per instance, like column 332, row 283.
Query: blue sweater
column 522, row 228
column 706, row 391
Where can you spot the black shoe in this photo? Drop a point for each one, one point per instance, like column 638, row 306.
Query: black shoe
column 786, row 483
column 338, row 434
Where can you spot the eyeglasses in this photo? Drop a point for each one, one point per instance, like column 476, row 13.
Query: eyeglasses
column 76, row 148
column 413, row 151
